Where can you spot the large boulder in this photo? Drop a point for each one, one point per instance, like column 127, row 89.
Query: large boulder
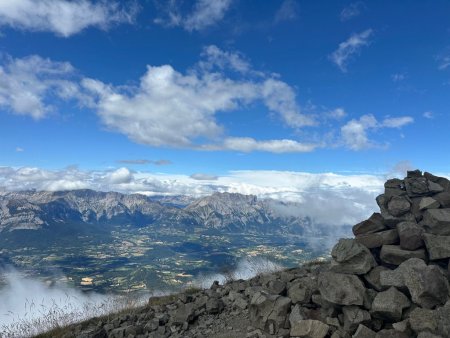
column 395, row 255
column 438, row 247
column 428, row 203
column 437, row 221
column 373, row 224
column 373, row 277
column 410, row 234
column 427, row 285
column 389, row 305
column 349, row 256
column 398, row 206
column 416, row 186
column 377, row 239
column 354, row 316
column 341, row 289
column 270, row 312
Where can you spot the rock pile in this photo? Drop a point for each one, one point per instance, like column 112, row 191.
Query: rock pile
column 391, row 280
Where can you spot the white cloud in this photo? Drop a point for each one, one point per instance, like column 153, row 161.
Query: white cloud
column 20, row 149
column 214, row 57
column 62, row 17
column 337, row 113
column 428, row 115
column 204, row 13
column 204, row 177
column 172, row 109
column 354, row 133
column 288, row 11
column 27, row 84
column 349, row 48
column 119, row 176
column 398, row 77
column 397, row 122
column 444, row 60
column 351, row 11
column 347, row 198
column 248, row 144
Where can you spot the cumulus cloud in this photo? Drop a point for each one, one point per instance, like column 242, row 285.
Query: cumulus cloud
column 63, row 17
column 351, row 11
column 337, row 113
column 167, row 101
column 28, row 85
column 354, row 133
column 350, row 48
column 288, row 11
column 119, row 176
column 203, row 14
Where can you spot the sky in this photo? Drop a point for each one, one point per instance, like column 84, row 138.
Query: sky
column 267, row 97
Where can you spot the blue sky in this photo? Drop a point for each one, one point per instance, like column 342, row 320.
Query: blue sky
column 211, row 87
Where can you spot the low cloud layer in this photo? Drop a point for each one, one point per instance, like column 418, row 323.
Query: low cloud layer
column 347, row 198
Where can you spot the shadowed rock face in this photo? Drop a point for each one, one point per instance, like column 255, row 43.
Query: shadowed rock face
column 392, row 280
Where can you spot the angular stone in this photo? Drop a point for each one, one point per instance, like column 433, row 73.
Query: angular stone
column 398, row 206
column 184, row 313
column 351, row 257
column 442, row 181
column 394, row 254
column 443, row 198
column 391, row 333
column 426, row 334
column 416, row 186
column 353, row 316
column 269, row 311
column 377, row 239
column 413, row 173
column 300, row 291
column 423, row 320
column 389, row 305
column 428, row 203
column 373, row 224
column 427, row 285
column 437, row 221
column 438, row 247
column 364, row 332
column 435, row 188
column 391, row 221
column 309, row 329
column 410, row 234
column 342, row 289
column 373, row 277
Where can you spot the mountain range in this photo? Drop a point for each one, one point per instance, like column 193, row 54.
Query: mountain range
column 231, row 212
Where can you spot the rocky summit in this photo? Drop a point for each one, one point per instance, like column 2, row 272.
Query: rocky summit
column 391, row 280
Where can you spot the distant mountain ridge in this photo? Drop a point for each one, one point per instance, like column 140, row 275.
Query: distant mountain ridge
column 232, row 212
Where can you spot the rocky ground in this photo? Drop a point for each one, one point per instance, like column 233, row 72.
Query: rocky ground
column 391, row 280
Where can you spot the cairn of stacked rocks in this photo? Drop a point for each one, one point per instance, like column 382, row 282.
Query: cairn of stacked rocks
column 390, row 281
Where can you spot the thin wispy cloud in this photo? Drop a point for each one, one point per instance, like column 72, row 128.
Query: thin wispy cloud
column 352, row 11
column 288, row 11
column 63, row 17
column 204, row 177
column 351, row 47
column 428, row 115
column 143, row 162
column 203, row 14
column 398, row 77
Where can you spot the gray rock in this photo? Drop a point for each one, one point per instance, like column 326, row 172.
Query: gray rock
column 214, row 305
column 443, row 182
column 410, row 234
column 427, row 335
column 364, row 332
column 342, row 289
column 391, row 333
column 394, row 254
column 437, row 221
column 309, row 329
column 276, row 287
column 416, row 186
column 389, row 305
column 300, row 290
column 443, row 198
column 428, row 203
column 423, row 320
column 373, row 224
column 398, row 206
column 438, row 247
column 269, row 312
column 378, row 239
column 353, row 316
column 296, row 315
column 184, row 313
column 373, row 277
column 351, row 257
column 426, row 284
